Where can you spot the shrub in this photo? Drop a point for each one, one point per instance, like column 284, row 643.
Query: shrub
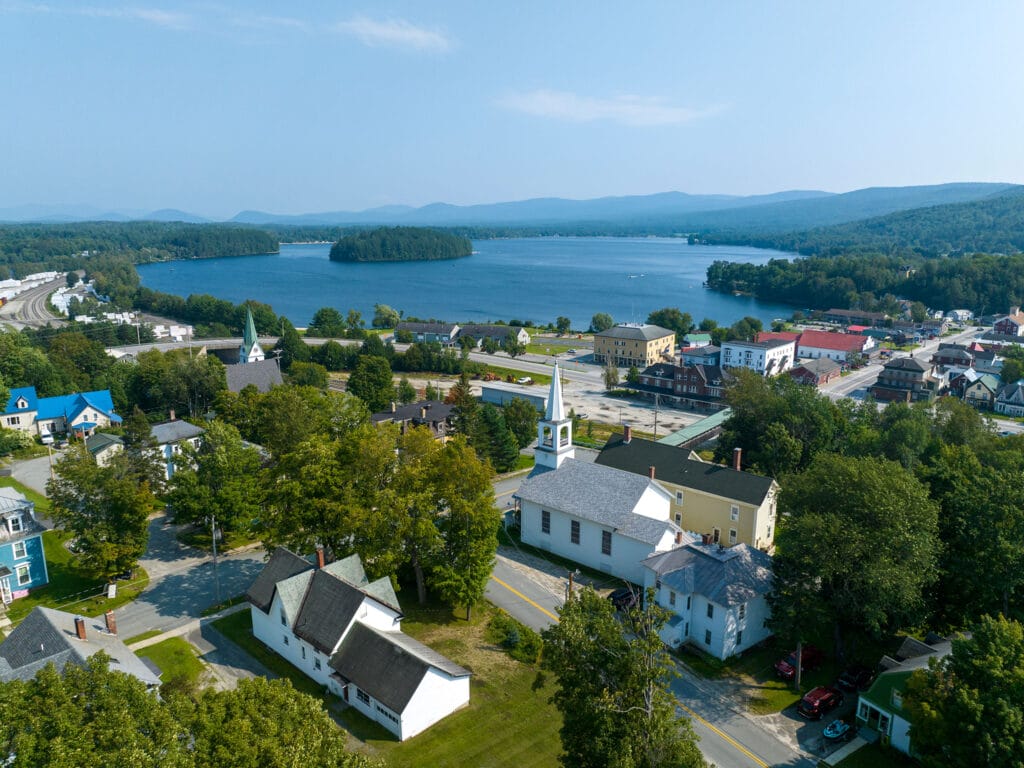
column 521, row 642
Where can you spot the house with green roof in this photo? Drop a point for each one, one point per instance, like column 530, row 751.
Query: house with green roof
column 880, row 708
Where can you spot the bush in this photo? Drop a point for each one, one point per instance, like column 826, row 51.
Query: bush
column 12, row 440
column 521, row 642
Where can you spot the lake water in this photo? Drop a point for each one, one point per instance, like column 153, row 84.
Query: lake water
column 534, row 279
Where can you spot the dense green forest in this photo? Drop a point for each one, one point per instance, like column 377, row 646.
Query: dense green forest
column 28, row 248
column 400, row 244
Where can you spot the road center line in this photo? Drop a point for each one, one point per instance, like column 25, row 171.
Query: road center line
column 722, row 734
column 519, row 594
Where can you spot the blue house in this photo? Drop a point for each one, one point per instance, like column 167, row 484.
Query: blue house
column 80, row 413
column 22, row 561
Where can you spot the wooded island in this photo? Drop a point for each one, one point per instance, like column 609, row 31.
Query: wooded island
column 401, row 244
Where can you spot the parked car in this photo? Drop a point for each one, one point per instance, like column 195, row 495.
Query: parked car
column 524, row 380
column 624, row 598
column 855, row 678
column 811, row 660
column 838, row 730
column 818, row 701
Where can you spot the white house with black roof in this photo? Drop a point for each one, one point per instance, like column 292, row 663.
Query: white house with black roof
column 717, row 596
column 344, row 632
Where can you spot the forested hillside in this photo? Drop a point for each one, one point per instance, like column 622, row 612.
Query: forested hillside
column 400, row 244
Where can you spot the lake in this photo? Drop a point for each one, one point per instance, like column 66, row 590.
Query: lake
column 534, row 279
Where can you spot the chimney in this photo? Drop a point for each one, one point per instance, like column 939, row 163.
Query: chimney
column 423, row 412
column 679, row 538
column 627, row 434
column 1014, row 310
column 705, row 539
column 737, row 455
column 171, row 415
column 320, row 559
column 394, row 406
column 80, row 627
column 650, row 471
column 111, row 622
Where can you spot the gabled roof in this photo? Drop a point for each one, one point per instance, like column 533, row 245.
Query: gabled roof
column 389, row 666
column 71, row 406
column 26, row 393
column 908, row 364
column 987, row 380
column 1012, row 392
column 262, row 374
column 174, row 431
column 327, row 610
column 777, row 336
column 767, row 344
column 480, row 330
column 437, row 411
column 840, row 342
column 443, row 328
column 635, row 332
column 101, row 441
column 819, row 366
column 603, row 495
column 673, row 465
column 726, row 576
column 47, row 636
column 895, row 677
column 283, row 564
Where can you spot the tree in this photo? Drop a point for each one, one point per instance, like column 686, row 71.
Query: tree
column 405, row 392
column 563, row 325
column 308, row 375
column 106, row 508
column 858, row 546
column 602, row 321
column 222, row 478
column 495, row 440
column 521, row 418
column 372, row 382
column 334, row 357
column 611, row 375
column 633, row 375
column 490, row 345
column 327, row 322
column 385, row 317
column 673, row 319
column 467, row 408
column 613, row 688
column 965, row 708
column 918, row 312
column 72, row 279
column 141, row 452
column 513, row 346
column 291, row 346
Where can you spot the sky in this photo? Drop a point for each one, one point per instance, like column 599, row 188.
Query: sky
column 218, row 107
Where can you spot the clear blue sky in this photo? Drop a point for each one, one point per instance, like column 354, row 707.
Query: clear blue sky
column 216, row 107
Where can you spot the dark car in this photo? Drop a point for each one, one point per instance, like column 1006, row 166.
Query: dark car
column 812, row 658
column 856, row 678
column 623, row 599
column 819, row 701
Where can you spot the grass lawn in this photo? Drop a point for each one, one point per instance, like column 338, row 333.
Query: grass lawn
column 876, row 756
column 143, row 636
column 200, row 538
column 524, row 462
column 504, row 373
column 506, row 724
column 177, row 661
column 549, row 346
column 70, row 588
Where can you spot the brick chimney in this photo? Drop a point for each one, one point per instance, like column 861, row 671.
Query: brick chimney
column 650, row 471
column 679, row 538
column 80, row 627
column 737, row 456
column 321, row 561
column 627, row 434
column 170, row 415
column 111, row 622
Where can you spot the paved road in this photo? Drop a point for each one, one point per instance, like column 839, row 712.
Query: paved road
column 28, row 309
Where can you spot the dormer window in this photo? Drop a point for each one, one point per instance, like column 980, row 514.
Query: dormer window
column 21, row 404
column 14, row 524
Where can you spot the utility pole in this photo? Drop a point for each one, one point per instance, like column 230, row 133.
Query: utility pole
column 213, row 537
column 657, row 398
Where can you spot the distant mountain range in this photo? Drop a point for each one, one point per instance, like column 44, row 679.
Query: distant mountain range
column 666, row 212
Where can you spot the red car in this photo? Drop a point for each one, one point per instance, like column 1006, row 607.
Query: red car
column 812, row 658
column 819, row 701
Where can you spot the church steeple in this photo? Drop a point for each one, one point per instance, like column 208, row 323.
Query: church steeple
column 554, row 431
column 251, row 351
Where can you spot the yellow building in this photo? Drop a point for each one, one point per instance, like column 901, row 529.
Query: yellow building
column 728, row 505
column 634, row 344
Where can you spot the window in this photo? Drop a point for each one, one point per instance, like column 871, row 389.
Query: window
column 363, row 696
column 732, row 535
column 286, row 641
column 707, row 637
column 863, row 713
column 24, row 577
column 19, row 550
column 672, row 598
column 711, row 611
column 15, row 523
column 545, row 521
column 316, row 663
column 574, row 531
column 897, row 698
column 883, row 724
column 386, row 713
column 303, row 653
column 606, row 542
column 734, row 512
column 14, row 420
column 716, row 535
column 743, row 610
column 679, row 497
column 688, row 602
column 284, row 618
column 679, row 519
column 739, row 637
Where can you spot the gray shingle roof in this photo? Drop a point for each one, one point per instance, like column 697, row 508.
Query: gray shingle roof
column 282, row 565
column 907, row 364
column 673, row 465
column 388, row 665
column 597, row 493
column 436, row 411
column 725, row 576
column 635, row 332
column 262, row 374
column 97, row 442
column 47, row 636
column 174, row 431
column 327, row 610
